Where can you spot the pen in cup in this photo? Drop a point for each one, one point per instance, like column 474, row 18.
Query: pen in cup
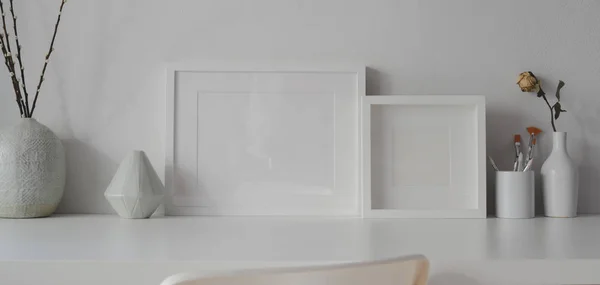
column 528, row 166
column 493, row 163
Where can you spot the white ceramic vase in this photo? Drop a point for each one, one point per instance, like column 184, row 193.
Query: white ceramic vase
column 32, row 171
column 560, row 180
column 136, row 190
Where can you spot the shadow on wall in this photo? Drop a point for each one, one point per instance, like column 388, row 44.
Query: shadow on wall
column 378, row 82
column 497, row 149
column 448, row 278
column 89, row 172
column 373, row 85
column 589, row 179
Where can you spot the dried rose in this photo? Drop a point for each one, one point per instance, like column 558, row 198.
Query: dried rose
column 528, row 82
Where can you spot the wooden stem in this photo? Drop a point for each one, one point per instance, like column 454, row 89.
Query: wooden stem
column 19, row 58
column 10, row 64
column 12, row 77
column 50, row 50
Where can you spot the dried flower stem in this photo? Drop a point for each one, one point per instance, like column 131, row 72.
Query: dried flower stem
column 543, row 95
column 50, row 50
column 19, row 58
column 10, row 64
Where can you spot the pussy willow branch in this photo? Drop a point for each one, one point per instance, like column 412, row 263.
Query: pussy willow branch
column 21, row 66
column 14, row 80
column 12, row 75
column 10, row 64
column 50, row 50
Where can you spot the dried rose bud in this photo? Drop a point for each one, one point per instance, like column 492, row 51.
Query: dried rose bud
column 528, row 82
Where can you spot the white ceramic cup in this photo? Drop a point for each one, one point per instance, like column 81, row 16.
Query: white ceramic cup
column 515, row 194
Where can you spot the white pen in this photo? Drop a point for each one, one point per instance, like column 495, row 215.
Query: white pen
column 493, row 163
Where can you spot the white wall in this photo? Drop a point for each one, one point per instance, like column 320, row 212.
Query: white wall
column 104, row 93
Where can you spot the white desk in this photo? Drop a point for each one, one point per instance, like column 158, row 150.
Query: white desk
column 467, row 252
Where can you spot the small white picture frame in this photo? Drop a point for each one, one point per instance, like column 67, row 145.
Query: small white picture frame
column 423, row 156
column 259, row 139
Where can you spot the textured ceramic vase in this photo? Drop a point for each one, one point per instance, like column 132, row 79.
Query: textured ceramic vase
column 32, row 171
column 136, row 190
column 560, row 180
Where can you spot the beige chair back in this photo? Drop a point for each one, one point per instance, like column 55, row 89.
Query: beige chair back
column 411, row 270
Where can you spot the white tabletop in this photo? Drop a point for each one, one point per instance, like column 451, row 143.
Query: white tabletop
column 294, row 240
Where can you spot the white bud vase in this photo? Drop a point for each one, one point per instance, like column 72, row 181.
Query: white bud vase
column 560, row 180
column 136, row 190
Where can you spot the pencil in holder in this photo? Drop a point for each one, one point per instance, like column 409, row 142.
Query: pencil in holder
column 515, row 194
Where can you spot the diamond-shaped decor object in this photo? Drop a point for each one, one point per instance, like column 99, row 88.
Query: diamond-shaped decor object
column 136, row 191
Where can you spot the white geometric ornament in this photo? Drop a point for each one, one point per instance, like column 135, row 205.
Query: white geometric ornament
column 136, row 191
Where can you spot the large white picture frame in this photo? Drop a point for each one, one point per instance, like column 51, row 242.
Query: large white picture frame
column 257, row 139
column 423, row 156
